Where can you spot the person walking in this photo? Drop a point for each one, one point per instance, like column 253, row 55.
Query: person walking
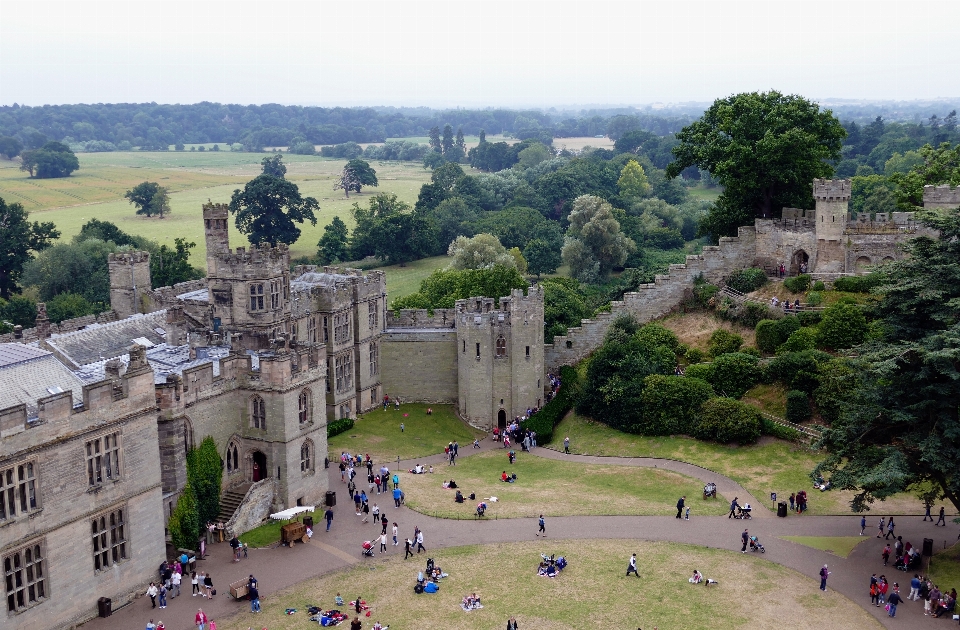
column 328, row 516
column 890, row 529
column 824, row 574
column 254, row 595
column 383, row 543
column 926, row 514
column 420, row 546
column 886, row 554
column 200, row 619
column 512, row 624
column 208, row 585
column 401, row 427
column 175, row 581
column 915, row 586
column 408, row 549
column 566, row 445
column 941, row 520
column 365, row 510
column 793, row 499
column 152, row 594
column 396, row 497
column 383, row 523
column 873, row 589
column 395, row 543
column 162, row 595
column 745, row 537
column 543, row 527
column 733, row 507
column 863, row 524
column 880, row 528
column 396, row 481
column 894, row 600
column 632, row 566
column 680, row 506
column 193, row 582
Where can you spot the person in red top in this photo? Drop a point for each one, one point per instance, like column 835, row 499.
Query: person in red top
column 503, row 477
column 201, row 619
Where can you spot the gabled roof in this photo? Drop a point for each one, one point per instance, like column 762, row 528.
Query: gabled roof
column 98, row 342
column 28, row 373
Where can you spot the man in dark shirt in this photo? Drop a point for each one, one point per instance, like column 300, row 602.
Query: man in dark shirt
column 254, row 595
column 894, row 599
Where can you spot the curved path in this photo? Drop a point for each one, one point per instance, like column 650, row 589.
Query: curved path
column 279, row 568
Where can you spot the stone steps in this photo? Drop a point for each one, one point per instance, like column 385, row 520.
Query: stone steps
column 230, row 501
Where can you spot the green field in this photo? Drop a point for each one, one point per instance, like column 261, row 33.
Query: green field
column 96, row 191
column 591, row 592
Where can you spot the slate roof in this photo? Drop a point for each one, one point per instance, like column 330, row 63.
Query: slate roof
column 28, row 373
column 200, row 295
column 306, row 281
column 164, row 360
column 98, row 342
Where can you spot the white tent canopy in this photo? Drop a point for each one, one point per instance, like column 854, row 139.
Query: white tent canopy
column 289, row 513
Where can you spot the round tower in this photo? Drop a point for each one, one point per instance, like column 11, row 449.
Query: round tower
column 833, row 203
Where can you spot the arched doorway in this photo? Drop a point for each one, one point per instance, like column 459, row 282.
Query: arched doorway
column 258, row 467
column 862, row 263
column 502, row 420
column 799, row 263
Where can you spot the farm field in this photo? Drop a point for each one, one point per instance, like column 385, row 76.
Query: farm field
column 589, row 593
column 96, row 191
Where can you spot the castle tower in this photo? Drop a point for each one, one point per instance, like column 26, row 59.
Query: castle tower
column 833, row 201
column 500, row 357
column 129, row 282
column 215, row 217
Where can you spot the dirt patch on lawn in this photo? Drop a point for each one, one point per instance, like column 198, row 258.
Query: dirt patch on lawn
column 694, row 329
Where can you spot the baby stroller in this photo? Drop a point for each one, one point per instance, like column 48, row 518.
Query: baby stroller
column 481, row 509
column 710, row 490
column 367, row 549
column 743, row 512
column 755, row 545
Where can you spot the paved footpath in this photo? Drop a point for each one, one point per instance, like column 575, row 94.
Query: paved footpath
column 280, row 567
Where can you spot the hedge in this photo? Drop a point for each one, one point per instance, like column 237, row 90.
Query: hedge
column 858, row 284
column 797, row 284
column 747, row 280
column 723, row 342
column 671, row 404
column 545, row 421
column 801, row 339
column 733, row 374
column 339, row 426
column 726, row 420
column 768, row 427
column 798, row 406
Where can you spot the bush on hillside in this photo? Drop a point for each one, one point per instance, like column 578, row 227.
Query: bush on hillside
column 858, row 284
column 703, row 292
column 798, row 406
column 837, row 383
column 786, row 367
column 772, row 333
column 723, row 342
column 339, row 426
column 843, row 326
column 797, row 284
column 733, row 374
column 779, row 431
column 653, row 335
column 808, row 318
column 818, row 286
column 672, row 404
column 747, row 280
column 725, row 420
column 546, row 420
column 702, row 371
column 694, row 355
column 801, row 339
column 814, row 298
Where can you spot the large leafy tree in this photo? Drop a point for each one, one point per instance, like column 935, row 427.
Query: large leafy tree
column 764, row 149
column 142, row 195
column 901, row 426
column 21, row 240
column 333, row 246
column 941, row 165
column 268, row 207
column 168, row 266
column 594, row 243
column 10, row 147
column 204, row 475
column 53, row 159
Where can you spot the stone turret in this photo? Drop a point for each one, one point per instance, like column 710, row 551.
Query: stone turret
column 941, row 197
column 833, row 201
column 215, row 231
column 129, row 282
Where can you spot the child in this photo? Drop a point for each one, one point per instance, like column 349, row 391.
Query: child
column 687, row 516
column 338, row 601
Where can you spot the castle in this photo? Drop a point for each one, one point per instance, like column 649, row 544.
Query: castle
column 261, row 358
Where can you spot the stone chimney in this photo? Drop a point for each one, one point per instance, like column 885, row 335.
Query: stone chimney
column 42, row 322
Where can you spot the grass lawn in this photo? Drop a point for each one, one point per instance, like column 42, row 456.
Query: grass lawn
column 269, row 533
column 402, row 281
column 705, row 194
column 772, row 466
column 378, row 433
column 591, row 593
column 554, row 488
column 770, row 398
column 945, row 567
column 837, row 545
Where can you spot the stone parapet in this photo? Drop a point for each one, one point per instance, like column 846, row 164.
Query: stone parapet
column 940, row 197
column 832, row 189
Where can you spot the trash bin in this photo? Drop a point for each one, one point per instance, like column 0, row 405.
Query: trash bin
column 331, row 498
column 104, row 606
column 782, row 509
column 928, row 547
column 308, row 521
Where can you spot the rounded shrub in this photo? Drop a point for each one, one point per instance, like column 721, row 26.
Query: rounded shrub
column 798, row 406
column 723, row 342
column 843, row 326
column 800, row 340
column 726, row 420
column 733, row 374
column 814, row 298
column 797, row 284
column 694, row 355
column 858, row 284
column 747, row 280
column 671, row 404
column 702, row 371
column 819, row 286
column 772, row 333
column 653, row 335
column 753, row 352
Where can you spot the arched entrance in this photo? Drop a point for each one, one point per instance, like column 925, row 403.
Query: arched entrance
column 799, row 263
column 862, row 263
column 258, row 467
column 502, row 419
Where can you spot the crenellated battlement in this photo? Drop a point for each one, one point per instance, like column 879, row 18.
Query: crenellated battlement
column 943, row 196
column 421, row 318
column 832, row 189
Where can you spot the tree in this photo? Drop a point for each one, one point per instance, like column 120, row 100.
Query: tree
column 10, row 147
column 160, row 202
column 483, row 251
column 446, row 143
column 533, row 155
column 940, row 165
column 445, row 286
column 453, row 218
column 363, row 239
column 19, row 311
column 79, row 267
column 435, row 143
column 267, row 208
column 594, row 237
column 171, row 266
column 53, row 159
column 633, row 182
column 274, row 166
column 333, row 247
column 400, row 238
column 21, row 241
column 765, row 149
column 462, row 145
column 68, row 306
column 900, row 424
column 363, row 173
column 184, row 523
column 541, row 257
column 843, row 326
column 204, row 476
column 142, row 196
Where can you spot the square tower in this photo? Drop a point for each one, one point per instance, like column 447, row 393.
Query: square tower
column 215, row 216
column 129, row 282
column 833, row 200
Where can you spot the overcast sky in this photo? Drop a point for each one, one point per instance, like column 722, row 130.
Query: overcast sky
column 473, row 53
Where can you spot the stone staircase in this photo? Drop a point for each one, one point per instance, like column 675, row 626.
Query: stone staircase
column 231, row 500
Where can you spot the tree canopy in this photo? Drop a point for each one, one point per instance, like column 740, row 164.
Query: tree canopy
column 765, row 149
column 268, row 207
column 333, row 246
column 479, row 252
column 594, row 244
column 53, row 159
column 21, row 241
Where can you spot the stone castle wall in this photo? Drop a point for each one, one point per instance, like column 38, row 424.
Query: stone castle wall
column 419, row 364
column 656, row 299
